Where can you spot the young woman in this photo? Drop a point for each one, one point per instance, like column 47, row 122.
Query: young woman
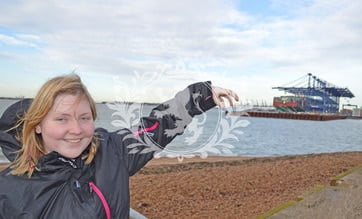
column 62, row 167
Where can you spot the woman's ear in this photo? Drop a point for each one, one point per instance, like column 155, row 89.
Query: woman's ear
column 37, row 129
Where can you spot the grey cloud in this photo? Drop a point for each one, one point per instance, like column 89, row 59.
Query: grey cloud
column 119, row 36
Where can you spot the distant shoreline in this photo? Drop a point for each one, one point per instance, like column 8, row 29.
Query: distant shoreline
column 12, row 98
column 99, row 102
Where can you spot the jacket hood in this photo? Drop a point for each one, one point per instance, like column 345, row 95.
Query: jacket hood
column 8, row 120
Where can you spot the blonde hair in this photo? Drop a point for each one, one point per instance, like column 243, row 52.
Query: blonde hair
column 32, row 143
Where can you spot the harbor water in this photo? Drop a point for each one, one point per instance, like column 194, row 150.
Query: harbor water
column 216, row 133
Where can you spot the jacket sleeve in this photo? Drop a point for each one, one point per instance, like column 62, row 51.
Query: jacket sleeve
column 164, row 123
column 8, row 120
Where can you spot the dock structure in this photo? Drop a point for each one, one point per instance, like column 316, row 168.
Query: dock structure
column 312, row 94
column 292, row 115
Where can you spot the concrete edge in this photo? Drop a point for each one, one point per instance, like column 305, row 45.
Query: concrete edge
column 277, row 209
column 290, row 203
column 334, row 182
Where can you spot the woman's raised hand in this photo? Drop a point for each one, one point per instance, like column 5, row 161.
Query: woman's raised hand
column 219, row 94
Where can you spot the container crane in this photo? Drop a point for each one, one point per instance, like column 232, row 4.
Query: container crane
column 312, row 94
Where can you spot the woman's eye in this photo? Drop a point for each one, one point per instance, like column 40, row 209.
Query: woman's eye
column 86, row 118
column 60, row 119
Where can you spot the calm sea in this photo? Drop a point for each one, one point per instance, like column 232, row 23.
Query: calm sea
column 215, row 133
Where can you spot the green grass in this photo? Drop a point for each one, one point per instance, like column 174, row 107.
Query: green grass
column 301, row 197
column 290, row 203
column 340, row 176
column 277, row 209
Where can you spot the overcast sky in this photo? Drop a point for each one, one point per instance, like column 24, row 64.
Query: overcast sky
column 148, row 50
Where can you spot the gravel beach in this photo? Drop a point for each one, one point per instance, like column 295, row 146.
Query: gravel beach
column 231, row 187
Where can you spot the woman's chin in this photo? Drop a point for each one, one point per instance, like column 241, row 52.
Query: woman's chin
column 71, row 155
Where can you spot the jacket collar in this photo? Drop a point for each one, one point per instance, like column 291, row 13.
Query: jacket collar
column 53, row 162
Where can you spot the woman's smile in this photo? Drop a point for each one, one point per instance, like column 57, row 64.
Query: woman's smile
column 73, row 140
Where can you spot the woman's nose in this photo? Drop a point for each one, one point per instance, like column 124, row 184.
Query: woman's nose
column 75, row 127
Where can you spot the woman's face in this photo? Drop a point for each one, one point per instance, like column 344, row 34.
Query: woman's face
column 68, row 127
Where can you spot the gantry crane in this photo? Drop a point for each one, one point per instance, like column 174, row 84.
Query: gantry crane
column 313, row 94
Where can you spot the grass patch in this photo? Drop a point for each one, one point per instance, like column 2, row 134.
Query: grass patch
column 290, row 203
column 340, row 176
column 276, row 209
column 311, row 191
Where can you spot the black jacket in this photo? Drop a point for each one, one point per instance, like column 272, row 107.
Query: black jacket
column 65, row 188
